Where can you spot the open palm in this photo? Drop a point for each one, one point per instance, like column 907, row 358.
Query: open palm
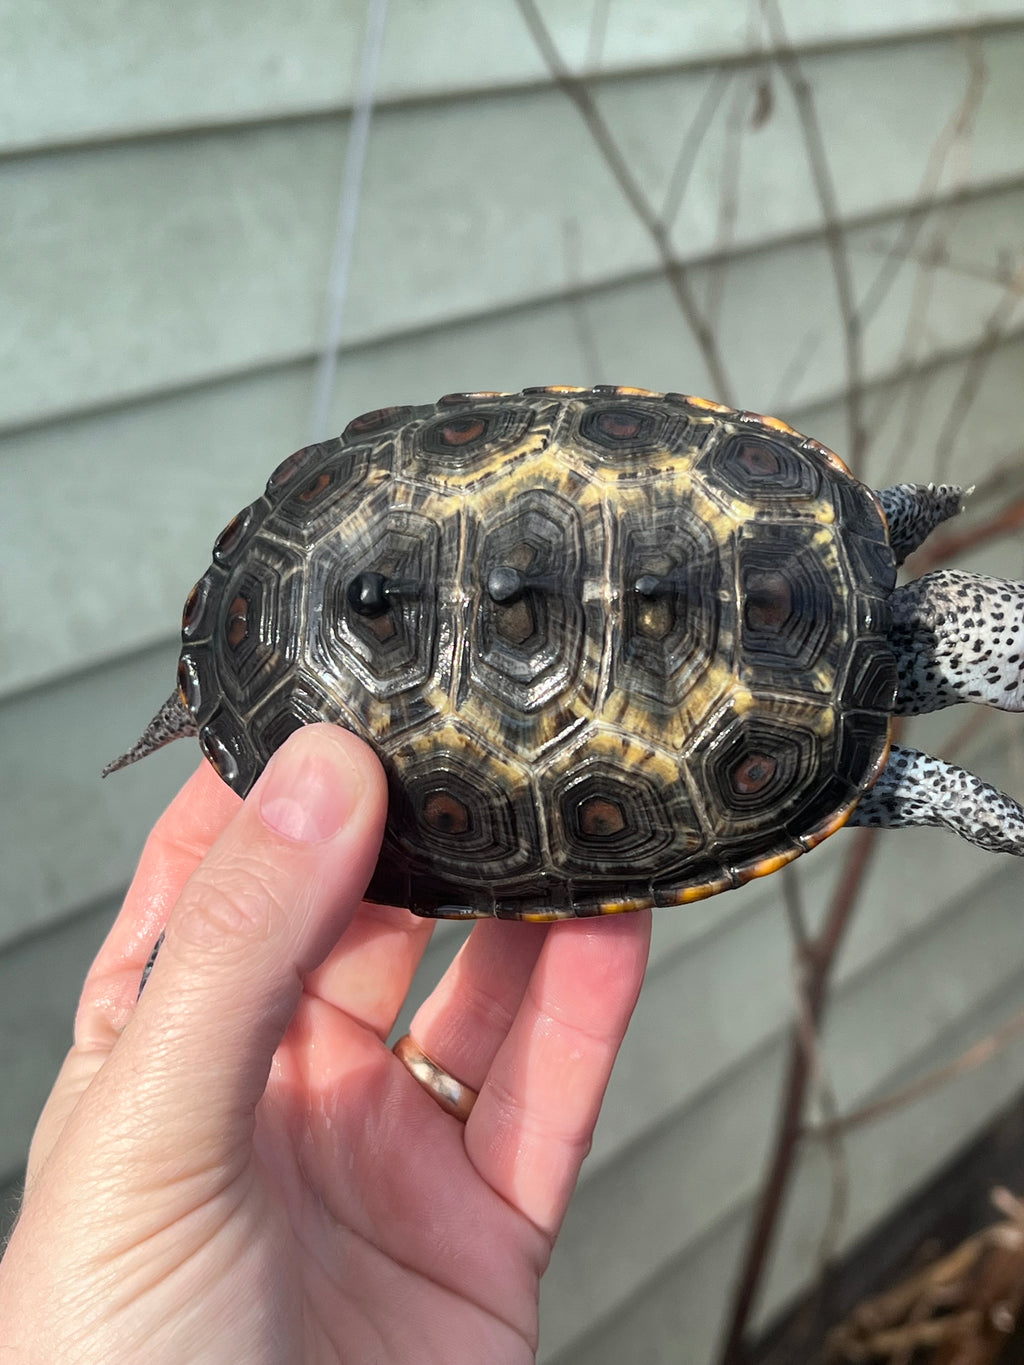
column 240, row 1170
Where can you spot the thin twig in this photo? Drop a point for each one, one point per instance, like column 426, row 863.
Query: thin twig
column 835, row 234
column 679, row 180
column 577, row 301
column 957, row 130
column 821, row 955
column 978, row 1055
column 731, row 163
column 597, row 33
column 821, row 1091
column 974, row 371
column 675, row 272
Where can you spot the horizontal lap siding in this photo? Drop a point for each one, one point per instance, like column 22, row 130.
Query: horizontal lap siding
column 76, row 72
column 169, row 224
column 137, row 267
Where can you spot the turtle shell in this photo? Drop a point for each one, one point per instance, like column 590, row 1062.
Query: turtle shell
column 614, row 648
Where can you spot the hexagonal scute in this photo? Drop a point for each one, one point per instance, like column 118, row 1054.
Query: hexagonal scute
column 793, row 619
column 525, row 567
column 761, row 469
column 629, row 432
column 673, row 614
column 259, row 622
column 462, row 445
column 758, row 764
column 325, row 483
column 460, row 812
column 390, row 646
column 292, row 466
column 607, row 819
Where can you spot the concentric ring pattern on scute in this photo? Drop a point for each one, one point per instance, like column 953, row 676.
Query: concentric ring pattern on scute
column 614, row 648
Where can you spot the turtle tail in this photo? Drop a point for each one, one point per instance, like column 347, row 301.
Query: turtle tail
column 173, row 721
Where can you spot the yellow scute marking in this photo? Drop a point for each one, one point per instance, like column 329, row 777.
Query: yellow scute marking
column 767, row 866
column 777, row 424
column 686, row 895
column 743, row 700
column 706, row 404
column 626, row 907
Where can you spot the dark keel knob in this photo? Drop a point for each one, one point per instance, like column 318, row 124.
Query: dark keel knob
column 650, row 585
column 368, row 594
column 371, row 594
column 505, row 584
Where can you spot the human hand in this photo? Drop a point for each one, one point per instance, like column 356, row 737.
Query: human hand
column 236, row 1168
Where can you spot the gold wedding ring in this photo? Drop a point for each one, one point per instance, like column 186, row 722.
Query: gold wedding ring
column 453, row 1097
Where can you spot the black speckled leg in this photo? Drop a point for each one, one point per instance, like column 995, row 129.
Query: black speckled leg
column 172, row 721
column 913, row 510
column 150, row 964
column 958, row 637
column 916, row 789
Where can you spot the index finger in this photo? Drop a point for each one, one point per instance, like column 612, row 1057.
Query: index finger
column 179, row 841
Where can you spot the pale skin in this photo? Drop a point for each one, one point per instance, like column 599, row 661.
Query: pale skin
column 237, row 1169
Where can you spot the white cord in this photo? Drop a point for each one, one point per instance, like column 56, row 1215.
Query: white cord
column 348, row 216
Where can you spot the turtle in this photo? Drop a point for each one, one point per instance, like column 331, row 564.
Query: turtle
column 614, row 648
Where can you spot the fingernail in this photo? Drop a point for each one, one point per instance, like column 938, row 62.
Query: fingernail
column 308, row 793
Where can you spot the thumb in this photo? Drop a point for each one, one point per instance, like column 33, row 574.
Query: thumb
column 264, row 907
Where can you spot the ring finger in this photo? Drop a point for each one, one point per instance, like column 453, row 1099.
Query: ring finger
column 465, row 1020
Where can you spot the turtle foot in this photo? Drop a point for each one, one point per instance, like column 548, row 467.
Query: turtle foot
column 916, row 789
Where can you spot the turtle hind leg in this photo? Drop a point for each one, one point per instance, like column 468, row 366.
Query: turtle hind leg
column 958, row 637
column 916, row 789
column 172, row 721
column 913, row 510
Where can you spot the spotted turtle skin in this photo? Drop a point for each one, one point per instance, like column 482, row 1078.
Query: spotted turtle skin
column 614, row 648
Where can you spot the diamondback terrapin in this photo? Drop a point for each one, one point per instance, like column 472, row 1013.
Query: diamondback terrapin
column 614, row 648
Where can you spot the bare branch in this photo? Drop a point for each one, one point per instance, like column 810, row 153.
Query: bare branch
column 953, row 136
column 835, row 235
column 978, row 1055
column 597, row 33
column 821, row 953
column 820, row 1088
column 949, row 546
column 577, row 301
column 974, row 372
column 676, row 273
column 679, row 180
column 728, row 199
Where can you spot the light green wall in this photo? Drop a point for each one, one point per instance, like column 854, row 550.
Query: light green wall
column 169, row 182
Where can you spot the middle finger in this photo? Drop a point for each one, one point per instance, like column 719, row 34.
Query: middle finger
column 368, row 974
